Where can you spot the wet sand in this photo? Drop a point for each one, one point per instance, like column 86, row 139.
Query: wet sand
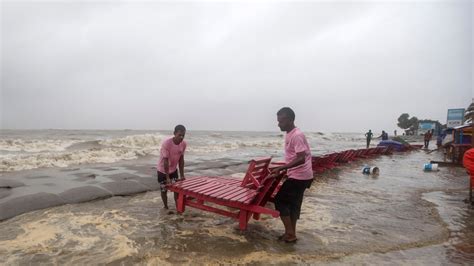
column 30, row 190
column 402, row 216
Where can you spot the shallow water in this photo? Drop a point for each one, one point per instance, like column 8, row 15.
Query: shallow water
column 404, row 215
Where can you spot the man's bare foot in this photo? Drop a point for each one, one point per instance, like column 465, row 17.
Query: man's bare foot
column 290, row 239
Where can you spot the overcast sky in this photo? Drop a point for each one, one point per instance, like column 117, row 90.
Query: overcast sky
column 342, row 66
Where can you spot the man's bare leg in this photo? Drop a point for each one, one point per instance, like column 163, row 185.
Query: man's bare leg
column 288, row 224
column 164, row 198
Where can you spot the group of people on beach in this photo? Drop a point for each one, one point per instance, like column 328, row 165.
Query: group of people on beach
column 383, row 136
column 298, row 165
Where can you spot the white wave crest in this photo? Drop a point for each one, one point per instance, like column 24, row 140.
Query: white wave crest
column 135, row 141
column 54, row 153
column 34, row 145
column 64, row 159
column 329, row 136
column 234, row 145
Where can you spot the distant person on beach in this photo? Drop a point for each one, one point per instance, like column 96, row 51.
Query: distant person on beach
column 439, row 140
column 289, row 198
column 171, row 158
column 427, row 138
column 384, row 135
column 369, row 135
column 395, row 132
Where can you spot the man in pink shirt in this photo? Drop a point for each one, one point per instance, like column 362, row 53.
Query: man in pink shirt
column 300, row 174
column 171, row 157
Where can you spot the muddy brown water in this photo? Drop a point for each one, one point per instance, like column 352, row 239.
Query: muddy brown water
column 402, row 216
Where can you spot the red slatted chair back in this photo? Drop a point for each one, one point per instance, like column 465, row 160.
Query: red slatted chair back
column 267, row 188
column 256, row 173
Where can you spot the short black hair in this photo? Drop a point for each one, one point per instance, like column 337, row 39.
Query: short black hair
column 179, row 128
column 288, row 112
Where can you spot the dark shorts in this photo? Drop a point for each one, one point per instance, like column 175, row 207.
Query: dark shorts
column 162, row 179
column 289, row 198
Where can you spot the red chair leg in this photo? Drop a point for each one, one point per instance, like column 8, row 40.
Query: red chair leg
column 243, row 219
column 180, row 203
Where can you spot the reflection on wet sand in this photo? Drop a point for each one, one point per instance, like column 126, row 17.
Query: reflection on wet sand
column 404, row 215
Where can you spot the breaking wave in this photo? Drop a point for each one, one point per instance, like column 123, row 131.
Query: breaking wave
column 24, row 154
column 224, row 146
column 63, row 153
column 35, row 145
column 64, row 159
column 135, row 141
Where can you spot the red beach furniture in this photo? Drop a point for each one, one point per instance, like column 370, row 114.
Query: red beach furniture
column 324, row 162
column 380, row 150
column 361, row 153
column 317, row 163
column 246, row 199
column 343, row 158
column 388, row 150
column 331, row 160
column 351, row 156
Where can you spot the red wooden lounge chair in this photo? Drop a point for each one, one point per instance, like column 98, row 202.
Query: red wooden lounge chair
column 371, row 152
column 351, row 156
column 343, row 155
column 247, row 197
column 361, row 153
column 317, row 163
column 331, row 160
column 388, row 150
column 379, row 150
column 325, row 162
column 258, row 169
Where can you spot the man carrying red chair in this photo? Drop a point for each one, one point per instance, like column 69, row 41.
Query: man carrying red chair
column 289, row 198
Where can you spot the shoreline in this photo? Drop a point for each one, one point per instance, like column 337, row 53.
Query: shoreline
column 29, row 190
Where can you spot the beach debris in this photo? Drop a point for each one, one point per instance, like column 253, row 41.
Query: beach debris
column 370, row 170
column 430, row 167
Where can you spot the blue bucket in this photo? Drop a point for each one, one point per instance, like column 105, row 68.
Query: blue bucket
column 430, row 167
column 368, row 170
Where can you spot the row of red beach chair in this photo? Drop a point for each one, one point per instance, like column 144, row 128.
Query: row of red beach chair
column 332, row 160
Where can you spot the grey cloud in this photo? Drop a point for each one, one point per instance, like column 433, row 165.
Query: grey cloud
column 230, row 66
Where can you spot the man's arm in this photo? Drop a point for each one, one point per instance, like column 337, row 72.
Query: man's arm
column 181, row 166
column 299, row 160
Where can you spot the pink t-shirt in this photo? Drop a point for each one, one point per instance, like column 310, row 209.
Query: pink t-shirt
column 171, row 151
column 295, row 142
